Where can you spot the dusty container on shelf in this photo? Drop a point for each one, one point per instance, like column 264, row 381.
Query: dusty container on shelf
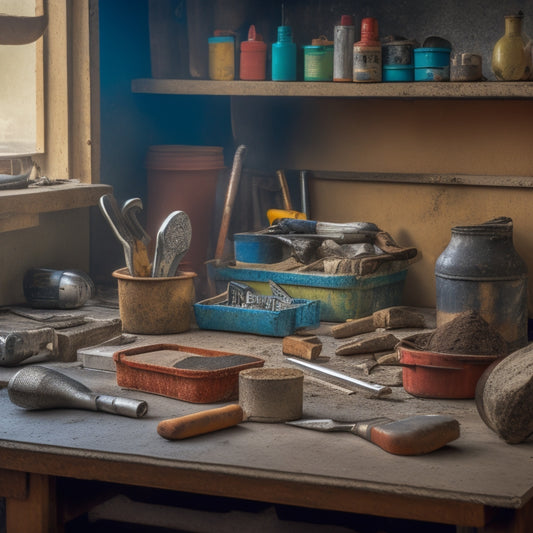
column 432, row 64
column 398, row 73
column 399, row 52
column 175, row 175
column 466, row 67
column 318, row 60
column 481, row 271
column 367, row 60
column 284, row 55
column 253, row 57
column 343, row 39
column 221, row 57
column 511, row 56
column 155, row 306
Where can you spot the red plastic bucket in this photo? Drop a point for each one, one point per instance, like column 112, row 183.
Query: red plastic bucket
column 184, row 178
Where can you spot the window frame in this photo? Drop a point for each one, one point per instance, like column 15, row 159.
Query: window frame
column 71, row 92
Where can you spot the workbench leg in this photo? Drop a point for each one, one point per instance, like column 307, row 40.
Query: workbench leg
column 37, row 512
column 512, row 521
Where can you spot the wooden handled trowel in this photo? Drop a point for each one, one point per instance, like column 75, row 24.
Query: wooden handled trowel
column 415, row 435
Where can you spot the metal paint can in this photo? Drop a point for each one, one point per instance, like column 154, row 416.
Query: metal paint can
column 480, row 270
column 343, row 40
column 398, row 52
column 318, row 60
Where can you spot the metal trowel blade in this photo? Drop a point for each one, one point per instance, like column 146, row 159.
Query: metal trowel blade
column 173, row 241
column 320, row 424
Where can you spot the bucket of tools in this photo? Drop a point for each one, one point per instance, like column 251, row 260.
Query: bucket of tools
column 155, row 306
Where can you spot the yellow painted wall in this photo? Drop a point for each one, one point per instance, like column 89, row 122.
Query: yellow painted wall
column 407, row 136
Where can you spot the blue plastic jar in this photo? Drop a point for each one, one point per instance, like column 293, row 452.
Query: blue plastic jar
column 432, row 64
column 398, row 73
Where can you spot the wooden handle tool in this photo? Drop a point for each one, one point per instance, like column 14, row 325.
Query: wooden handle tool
column 415, row 435
column 207, row 421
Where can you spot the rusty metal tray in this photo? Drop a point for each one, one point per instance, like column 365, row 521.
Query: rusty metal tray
column 186, row 373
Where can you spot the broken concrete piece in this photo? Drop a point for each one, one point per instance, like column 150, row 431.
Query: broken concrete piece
column 377, row 343
column 89, row 334
column 389, row 318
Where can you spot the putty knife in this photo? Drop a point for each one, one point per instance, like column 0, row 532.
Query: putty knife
column 415, row 435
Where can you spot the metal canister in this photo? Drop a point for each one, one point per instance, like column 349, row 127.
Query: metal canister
column 398, row 52
column 343, row 40
column 481, row 271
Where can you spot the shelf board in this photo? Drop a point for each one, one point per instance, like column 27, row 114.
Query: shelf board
column 453, row 90
column 20, row 208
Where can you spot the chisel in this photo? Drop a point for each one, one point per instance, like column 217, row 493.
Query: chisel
column 415, row 435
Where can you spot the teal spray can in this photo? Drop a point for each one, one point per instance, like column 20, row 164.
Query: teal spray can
column 284, row 56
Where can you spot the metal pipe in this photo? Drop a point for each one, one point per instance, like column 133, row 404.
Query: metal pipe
column 378, row 390
column 304, row 191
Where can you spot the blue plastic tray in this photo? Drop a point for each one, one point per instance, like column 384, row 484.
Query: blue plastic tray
column 212, row 314
column 341, row 296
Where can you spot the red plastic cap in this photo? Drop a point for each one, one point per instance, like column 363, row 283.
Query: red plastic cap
column 346, row 20
column 369, row 27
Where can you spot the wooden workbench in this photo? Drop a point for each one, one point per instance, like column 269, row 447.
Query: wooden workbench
column 477, row 481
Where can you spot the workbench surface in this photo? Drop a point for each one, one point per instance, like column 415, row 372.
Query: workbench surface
column 275, row 462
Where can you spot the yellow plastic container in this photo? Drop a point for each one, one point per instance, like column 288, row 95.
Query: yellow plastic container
column 155, row 306
column 221, row 58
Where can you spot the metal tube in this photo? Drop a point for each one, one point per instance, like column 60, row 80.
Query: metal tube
column 304, row 191
column 379, row 390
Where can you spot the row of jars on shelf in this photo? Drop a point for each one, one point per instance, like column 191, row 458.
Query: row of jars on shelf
column 369, row 59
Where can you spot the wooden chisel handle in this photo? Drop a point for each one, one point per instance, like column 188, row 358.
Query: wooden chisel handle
column 187, row 426
column 415, row 435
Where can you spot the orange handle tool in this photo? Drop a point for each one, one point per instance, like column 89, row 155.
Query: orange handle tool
column 415, row 435
column 187, row 426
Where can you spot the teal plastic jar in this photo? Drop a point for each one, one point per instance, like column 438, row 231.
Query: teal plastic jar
column 318, row 60
column 284, row 56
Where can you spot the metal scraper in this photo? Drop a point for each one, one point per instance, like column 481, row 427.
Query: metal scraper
column 173, row 241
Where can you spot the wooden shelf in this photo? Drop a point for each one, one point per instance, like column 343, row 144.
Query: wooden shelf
column 20, row 208
column 453, row 90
